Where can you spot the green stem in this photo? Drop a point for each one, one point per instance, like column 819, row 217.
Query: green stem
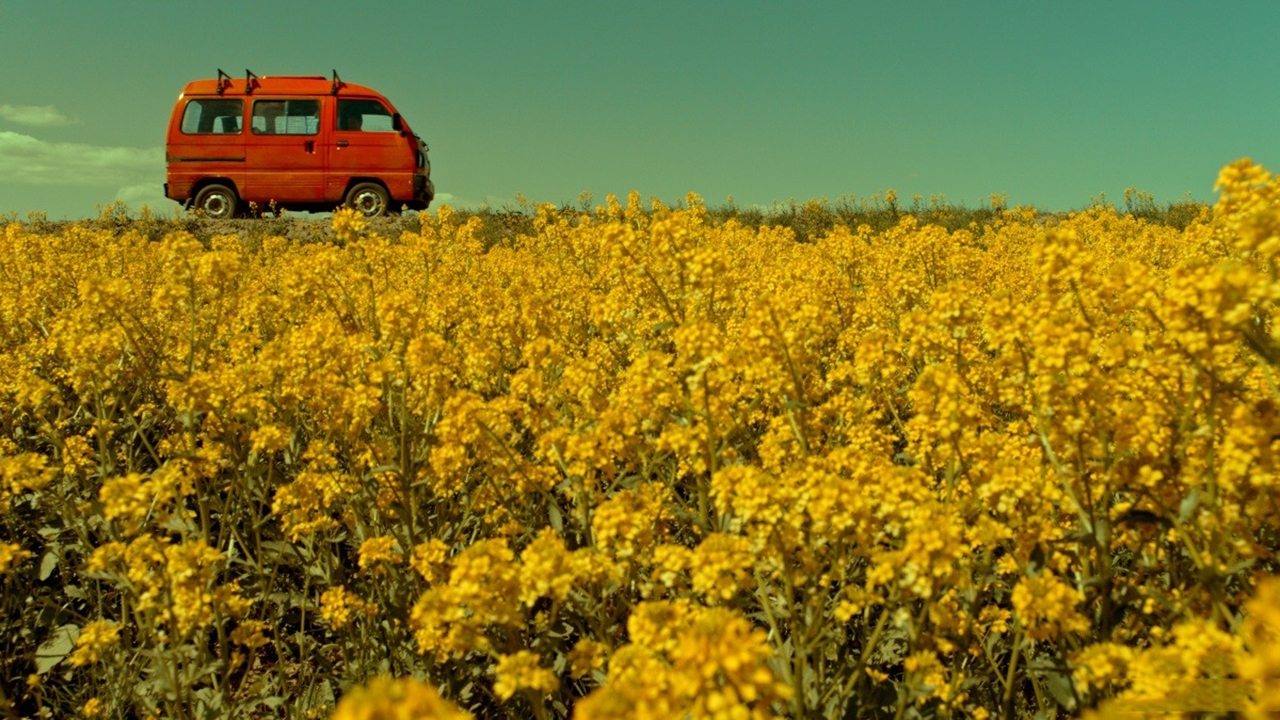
column 848, row 690
column 1013, row 669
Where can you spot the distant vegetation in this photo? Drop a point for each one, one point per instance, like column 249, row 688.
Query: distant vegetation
column 809, row 220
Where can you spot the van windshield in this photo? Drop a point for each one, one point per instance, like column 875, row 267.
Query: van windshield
column 213, row 116
column 364, row 116
column 286, row 117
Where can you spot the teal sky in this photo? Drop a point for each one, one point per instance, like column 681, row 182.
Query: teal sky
column 1050, row 103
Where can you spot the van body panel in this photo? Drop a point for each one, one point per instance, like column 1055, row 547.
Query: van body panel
column 297, row 142
column 284, row 168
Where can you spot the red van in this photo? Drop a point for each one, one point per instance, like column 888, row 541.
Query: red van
column 290, row 142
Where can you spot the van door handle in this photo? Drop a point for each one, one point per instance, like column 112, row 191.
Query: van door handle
column 310, row 146
column 343, row 143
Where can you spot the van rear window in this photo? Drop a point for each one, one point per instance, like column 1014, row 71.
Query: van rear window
column 213, row 116
column 286, row 117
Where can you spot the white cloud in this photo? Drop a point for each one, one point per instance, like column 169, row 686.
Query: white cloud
column 35, row 115
column 25, row 160
column 453, row 201
column 146, row 195
column 490, row 202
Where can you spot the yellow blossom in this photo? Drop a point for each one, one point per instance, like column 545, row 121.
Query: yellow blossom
column 1047, row 607
column 386, row 699
column 522, row 671
column 339, row 606
column 10, row 555
column 377, row 550
column 94, row 640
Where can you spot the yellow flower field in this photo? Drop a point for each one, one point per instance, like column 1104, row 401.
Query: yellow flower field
column 645, row 462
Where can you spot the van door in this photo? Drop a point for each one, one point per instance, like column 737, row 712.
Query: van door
column 366, row 144
column 284, row 157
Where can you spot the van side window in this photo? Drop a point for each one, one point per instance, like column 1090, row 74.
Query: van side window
column 213, row 116
column 286, row 117
column 364, row 116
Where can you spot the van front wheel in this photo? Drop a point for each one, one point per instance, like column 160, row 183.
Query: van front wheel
column 216, row 202
column 370, row 199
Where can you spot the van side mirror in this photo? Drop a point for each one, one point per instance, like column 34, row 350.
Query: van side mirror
column 397, row 123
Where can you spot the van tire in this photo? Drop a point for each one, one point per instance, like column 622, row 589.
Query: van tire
column 369, row 199
column 216, row 202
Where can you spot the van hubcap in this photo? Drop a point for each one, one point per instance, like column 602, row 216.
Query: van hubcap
column 215, row 206
column 368, row 202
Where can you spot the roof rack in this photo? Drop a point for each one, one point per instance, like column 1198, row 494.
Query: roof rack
column 252, row 80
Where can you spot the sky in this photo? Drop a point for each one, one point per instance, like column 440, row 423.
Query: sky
column 1048, row 103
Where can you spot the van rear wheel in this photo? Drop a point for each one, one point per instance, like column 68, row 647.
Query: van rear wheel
column 370, row 199
column 216, row 202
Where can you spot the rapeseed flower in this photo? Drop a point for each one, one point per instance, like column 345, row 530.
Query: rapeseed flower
column 95, row 640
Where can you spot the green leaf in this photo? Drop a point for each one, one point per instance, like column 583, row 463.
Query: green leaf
column 1061, row 690
column 1102, row 531
column 1241, row 565
column 325, row 694
column 1189, row 505
column 47, row 564
column 58, row 646
column 557, row 521
column 275, row 549
column 209, row 703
